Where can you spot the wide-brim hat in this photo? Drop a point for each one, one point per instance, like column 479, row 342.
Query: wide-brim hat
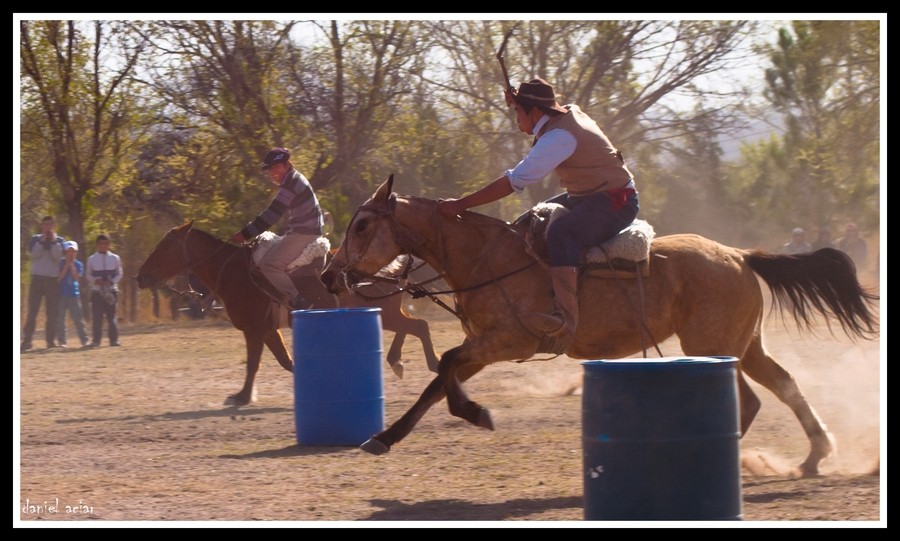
column 276, row 155
column 538, row 92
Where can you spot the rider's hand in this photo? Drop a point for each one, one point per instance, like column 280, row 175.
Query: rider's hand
column 450, row 208
column 237, row 238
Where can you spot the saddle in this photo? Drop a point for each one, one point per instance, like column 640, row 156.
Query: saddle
column 622, row 256
column 310, row 259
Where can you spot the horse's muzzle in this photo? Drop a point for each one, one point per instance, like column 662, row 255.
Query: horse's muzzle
column 144, row 281
column 330, row 279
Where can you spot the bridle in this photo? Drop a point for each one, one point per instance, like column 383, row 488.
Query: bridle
column 191, row 293
column 407, row 239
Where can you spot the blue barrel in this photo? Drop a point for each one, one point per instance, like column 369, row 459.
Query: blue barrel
column 338, row 391
column 661, row 439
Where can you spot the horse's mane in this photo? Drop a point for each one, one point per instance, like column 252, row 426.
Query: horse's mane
column 184, row 231
column 469, row 216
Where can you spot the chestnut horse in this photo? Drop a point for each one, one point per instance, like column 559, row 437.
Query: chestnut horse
column 702, row 291
column 225, row 269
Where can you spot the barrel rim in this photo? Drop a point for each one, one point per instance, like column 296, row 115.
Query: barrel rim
column 661, row 363
column 313, row 311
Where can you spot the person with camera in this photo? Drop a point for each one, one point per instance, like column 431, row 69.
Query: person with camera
column 104, row 270
column 45, row 250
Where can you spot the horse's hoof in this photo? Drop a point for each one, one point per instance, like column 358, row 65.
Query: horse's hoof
column 374, row 447
column 433, row 366
column 807, row 471
column 484, row 419
column 398, row 369
column 235, row 402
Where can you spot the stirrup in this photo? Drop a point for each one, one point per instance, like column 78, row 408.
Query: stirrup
column 553, row 325
column 563, row 330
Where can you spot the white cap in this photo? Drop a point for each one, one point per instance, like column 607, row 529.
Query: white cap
column 70, row 244
column 798, row 231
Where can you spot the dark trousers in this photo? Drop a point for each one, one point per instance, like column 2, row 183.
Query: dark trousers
column 42, row 288
column 591, row 221
column 100, row 309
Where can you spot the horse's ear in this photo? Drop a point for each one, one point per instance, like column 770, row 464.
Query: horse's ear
column 185, row 226
column 384, row 191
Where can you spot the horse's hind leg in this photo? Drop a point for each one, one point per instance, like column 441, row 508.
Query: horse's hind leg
column 394, row 319
column 762, row 368
column 419, row 328
column 254, row 352
column 275, row 342
column 393, row 354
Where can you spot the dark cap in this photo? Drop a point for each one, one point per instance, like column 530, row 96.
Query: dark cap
column 276, row 155
column 538, row 92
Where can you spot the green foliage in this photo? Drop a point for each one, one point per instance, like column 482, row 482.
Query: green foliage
column 824, row 81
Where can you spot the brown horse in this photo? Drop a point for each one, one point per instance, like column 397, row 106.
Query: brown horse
column 705, row 293
column 225, row 269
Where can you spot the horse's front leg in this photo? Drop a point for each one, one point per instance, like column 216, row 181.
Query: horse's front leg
column 454, row 369
column 246, row 395
column 381, row 443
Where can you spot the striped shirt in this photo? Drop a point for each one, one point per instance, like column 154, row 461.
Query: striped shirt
column 296, row 197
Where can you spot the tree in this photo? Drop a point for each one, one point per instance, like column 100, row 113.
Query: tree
column 244, row 86
column 622, row 73
column 78, row 104
column 824, row 81
column 350, row 88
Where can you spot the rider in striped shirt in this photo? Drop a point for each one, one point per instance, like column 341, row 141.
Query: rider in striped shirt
column 305, row 223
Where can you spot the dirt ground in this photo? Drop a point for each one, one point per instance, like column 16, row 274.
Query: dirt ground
column 139, row 433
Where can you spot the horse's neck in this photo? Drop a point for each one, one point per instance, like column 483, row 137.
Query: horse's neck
column 463, row 250
column 208, row 257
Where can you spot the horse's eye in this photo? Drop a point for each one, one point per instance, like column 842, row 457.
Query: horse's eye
column 361, row 225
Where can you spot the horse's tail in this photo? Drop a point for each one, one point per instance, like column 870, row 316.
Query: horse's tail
column 823, row 281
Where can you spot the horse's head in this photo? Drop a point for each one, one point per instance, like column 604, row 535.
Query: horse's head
column 371, row 241
column 167, row 259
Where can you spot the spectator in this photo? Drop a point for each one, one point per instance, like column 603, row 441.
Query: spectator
column 823, row 239
column 45, row 249
column 104, row 270
column 797, row 244
column 854, row 246
column 70, row 272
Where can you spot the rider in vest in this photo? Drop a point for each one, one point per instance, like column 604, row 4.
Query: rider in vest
column 305, row 224
column 600, row 191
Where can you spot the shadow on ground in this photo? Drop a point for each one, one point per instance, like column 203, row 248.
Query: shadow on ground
column 295, row 450
column 228, row 411
column 452, row 510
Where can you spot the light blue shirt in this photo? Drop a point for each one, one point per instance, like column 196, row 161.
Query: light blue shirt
column 550, row 150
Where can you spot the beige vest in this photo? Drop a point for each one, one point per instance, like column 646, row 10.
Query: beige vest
column 595, row 164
